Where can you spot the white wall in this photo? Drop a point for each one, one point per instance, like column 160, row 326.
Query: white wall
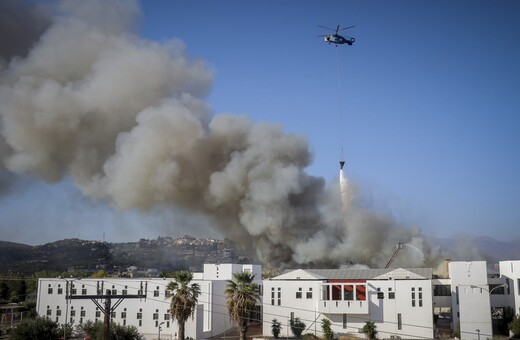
column 473, row 309
column 417, row 322
column 211, row 316
column 511, row 270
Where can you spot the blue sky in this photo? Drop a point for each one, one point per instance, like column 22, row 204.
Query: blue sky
column 429, row 107
column 427, row 113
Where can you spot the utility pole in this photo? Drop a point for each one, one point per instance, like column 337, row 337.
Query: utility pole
column 108, row 308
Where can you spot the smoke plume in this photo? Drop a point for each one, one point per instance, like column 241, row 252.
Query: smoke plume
column 126, row 118
column 20, row 27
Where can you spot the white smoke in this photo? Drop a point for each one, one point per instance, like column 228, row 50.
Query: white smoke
column 126, row 118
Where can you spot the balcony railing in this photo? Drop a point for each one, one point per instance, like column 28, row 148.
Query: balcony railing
column 343, row 307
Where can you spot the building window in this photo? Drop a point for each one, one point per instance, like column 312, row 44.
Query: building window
column 112, row 315
column 272, row 296
column 82, row 313
column 348, row 292
column 391, row 295
column 420, row 296
column 299, row 293
column 73, row 291
column 58, row 312
column 81, row 320
column 155, row 293
column 442, row 290
column 139, row 316
column 325, row 293
column 166, row 316
column 72, row 312
column 344, row 321
column 83, row 291
column 140, row 323
column 49, row 312
column 399, row 321
column 167, row 294
column 309, row 294
column 361, row 292
column 123, row 315
column 156, row 316
column 279, row 296
column 98, row 314
column 49, row 291
column 124, row 322
column 167, row 324
column 60, row 290
column 413, row 296
column 336, row 292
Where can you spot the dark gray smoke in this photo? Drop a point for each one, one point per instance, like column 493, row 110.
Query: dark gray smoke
column 21, row 25
column 126, row 118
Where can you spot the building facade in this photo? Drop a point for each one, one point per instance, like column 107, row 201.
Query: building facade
column 151, row 314
column 397, row 300
column 471, row 298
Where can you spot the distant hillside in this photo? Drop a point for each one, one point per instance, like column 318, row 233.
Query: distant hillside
column 163, row 254
column 167, row 254
column 13, row 252
column 55, row 256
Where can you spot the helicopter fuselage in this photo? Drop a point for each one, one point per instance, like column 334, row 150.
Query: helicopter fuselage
column 338, row 39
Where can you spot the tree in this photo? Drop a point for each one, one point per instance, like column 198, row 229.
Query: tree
column 242, row 294
column 370, row 329
column 276, row 328
column 514, row 326
column 95, row 331
column 99, row 274
column 327, row 330
column 297, row 327
column 38, row 328
column 184, row 298
column 92, row 329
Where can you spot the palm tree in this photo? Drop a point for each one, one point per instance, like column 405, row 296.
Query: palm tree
column 184, row 298
column 242, row 295
column 370, row 329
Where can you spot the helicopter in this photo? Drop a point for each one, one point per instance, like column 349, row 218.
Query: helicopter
column 336, row 38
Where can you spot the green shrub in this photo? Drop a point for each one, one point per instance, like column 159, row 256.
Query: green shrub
column 297, row 327
column 327, row 330
column 514, row 326
column 276, row 328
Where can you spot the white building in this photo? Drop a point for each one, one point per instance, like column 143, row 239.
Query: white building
column 405, row 303
column 150, row 314
column 399, row 301
column 474, row 298
column 408, row 303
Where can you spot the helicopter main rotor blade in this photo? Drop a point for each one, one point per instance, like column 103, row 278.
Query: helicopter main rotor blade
column 332, row 29
column 346, row 28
